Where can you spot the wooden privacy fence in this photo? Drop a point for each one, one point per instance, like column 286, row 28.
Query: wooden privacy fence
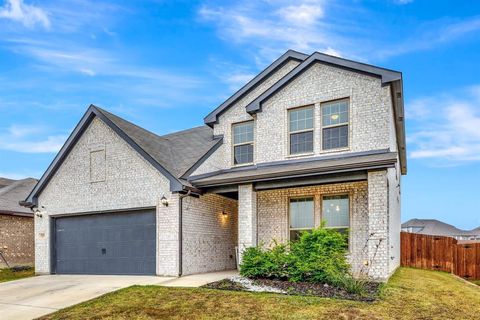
column 440, row 253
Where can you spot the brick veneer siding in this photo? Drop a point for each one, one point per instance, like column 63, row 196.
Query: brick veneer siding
column 209, row 237
column 378, row 226
column 222, row 158
column 371, row 116
column 273, row 211
column 247, row 217
column 129, row 181
column 16, row 240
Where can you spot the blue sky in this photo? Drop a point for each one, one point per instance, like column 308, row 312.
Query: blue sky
column 165, row 64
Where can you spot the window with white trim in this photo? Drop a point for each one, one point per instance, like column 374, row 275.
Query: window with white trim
column 301, row 216
column 243, row 143
column 300, row 125
column 336, row 212
column 335, row 121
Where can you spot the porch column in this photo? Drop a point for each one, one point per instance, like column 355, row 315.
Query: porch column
column 378, row 217
column 247, row 217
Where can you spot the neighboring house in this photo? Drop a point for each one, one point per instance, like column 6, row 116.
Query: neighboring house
column 16, row 222
column 438, row 228
column 310, row 138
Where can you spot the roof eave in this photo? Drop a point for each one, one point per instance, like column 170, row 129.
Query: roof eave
column 92, row 112
column 212, row 117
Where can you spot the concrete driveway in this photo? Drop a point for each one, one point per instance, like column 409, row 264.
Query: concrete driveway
column 33, row 297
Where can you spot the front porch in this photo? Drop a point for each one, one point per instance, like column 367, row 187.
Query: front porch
column 268, row 215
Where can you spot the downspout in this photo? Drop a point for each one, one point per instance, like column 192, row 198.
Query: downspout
column 180, row 232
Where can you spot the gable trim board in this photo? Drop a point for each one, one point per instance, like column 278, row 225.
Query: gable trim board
column 212, row 117
column 90, row 114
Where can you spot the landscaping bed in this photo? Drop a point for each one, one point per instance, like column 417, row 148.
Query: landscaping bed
column 371, row 292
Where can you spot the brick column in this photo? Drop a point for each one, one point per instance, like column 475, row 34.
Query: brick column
column 167, row 236
column 378, row 215
column 247, row 217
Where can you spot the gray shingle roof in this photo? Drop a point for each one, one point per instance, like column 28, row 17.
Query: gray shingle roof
column 5, row 182
column 177, row 152
column 11, row 194
column 438, row 228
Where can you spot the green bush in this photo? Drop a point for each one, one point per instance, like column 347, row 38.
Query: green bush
column 318, row 256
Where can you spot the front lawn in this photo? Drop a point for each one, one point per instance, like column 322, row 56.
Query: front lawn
column 9, row 274
column 410, row 294
column 477, row 282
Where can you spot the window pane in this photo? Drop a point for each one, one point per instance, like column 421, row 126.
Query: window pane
column 301, row 142
column 336, row 211
column 301, row 119
column 243, row 132
column 243, row 154
column 301, row 213
column 335, row 113
column 336, row 137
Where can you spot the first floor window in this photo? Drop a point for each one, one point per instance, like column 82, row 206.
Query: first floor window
column 336, row 212
column 243, row 143
column 301, row 216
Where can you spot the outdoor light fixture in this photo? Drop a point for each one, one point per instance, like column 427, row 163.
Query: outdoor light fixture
column 224, row 213
column 164, row 201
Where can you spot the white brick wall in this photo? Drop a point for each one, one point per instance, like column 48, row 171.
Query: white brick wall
column 209, row 236
column 378, row 226
column 371, row 121
column 129, row 182
column 247, row 217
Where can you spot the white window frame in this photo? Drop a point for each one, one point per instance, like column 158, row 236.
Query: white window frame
column 290, row 229
column 348, row 124
column 243, row 143
column 300, row 131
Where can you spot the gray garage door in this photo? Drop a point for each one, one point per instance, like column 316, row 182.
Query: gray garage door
column 106, row 243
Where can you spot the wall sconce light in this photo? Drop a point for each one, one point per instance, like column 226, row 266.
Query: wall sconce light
column 164, row 201
column 37, row 212
column 224, row 213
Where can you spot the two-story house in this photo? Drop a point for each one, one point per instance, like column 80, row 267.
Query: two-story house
column 311, row 138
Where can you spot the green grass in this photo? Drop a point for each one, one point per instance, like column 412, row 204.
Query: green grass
column 9, row 275
column 410, row 294
column 477, row 282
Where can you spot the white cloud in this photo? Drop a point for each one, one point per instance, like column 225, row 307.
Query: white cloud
column 446, row 129
column 301, row 14
column 22, row 138
column 26, row 14
column 273, row 27
column 403, row 1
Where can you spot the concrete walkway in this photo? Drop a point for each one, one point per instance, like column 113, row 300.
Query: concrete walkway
column 198, row 280
column 34, row 297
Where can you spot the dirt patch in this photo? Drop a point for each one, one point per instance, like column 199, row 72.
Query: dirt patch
column 303, row 289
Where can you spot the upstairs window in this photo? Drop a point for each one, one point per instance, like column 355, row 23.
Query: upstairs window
column 301, row 216
column 336, row 212
column 301, row 130
column 243, row 143
column 335, row 119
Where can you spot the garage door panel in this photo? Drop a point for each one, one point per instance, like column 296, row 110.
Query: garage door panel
column 106, row 243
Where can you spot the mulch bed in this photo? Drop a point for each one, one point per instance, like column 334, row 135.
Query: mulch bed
column 303, row 289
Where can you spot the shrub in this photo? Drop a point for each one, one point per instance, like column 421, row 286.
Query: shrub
column 259, row 263
column 318, row 256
